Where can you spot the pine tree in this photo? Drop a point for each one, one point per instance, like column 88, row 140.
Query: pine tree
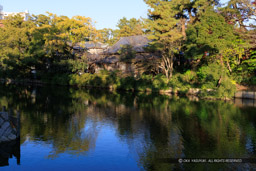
column 130, row 27
column 166, row 30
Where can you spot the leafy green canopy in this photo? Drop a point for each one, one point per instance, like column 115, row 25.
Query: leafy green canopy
column 130, row 27
column 43, row 42
column 15, row 38
column 212, row 35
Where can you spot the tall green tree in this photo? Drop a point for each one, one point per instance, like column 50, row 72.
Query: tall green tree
column 210, row 36
column 108, row 36
column 188, row 11
column 250, row 65
column 166, row 30
column 42, row 42
column 66, row 32
column 15, row 38
column 130, row 27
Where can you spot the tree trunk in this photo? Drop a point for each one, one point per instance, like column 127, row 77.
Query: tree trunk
column 171, row 66
column 221, row 60
column 167, row 65
column 229, row 68
column 219, row 82
column 191, row 18
column 183, row 28
column 222, row 64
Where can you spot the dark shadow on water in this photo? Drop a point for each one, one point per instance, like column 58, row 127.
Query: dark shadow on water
column 9, row 150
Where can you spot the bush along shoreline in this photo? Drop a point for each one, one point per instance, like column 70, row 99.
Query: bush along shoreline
column 205, row 83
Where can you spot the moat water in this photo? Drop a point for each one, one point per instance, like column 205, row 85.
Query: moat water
column 63, row 128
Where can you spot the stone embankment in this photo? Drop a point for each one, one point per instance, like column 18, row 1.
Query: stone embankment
column 245, row 98
column 9, row 127
column 246, row 95
column 239, row 94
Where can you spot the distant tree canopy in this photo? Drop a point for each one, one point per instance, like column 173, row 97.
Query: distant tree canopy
column 44, row 42
column 189, row 35
column 130, row 27
column 125, row 27
column 108, row 36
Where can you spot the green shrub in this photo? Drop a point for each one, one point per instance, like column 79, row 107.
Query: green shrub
column 60, row 79
column 227, row 88
column 160, row 82
column 76, row 65
column 127, row 83
column 189, row 76
column 82, row 80
column 96, row 81
column 209, row 77
column 176, row 81
column 212, row 72
column 253, row 81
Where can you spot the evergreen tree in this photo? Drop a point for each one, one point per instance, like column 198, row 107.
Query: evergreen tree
column 210, row 36
column 166, row 30
column 130, row 27
column 108, row 36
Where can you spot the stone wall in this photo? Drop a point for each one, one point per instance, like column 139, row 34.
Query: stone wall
column 9, row 127
column 246, row 95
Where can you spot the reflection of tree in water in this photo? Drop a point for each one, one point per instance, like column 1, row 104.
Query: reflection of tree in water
column 54, row 117
column 155, row 127
column 210, row 130
column 75, row 139
column 147, row 129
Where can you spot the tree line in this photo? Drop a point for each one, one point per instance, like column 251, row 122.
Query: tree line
column 202, row 41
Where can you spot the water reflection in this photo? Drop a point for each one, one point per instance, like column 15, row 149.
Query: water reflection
column 245, row 102
column 152, row 127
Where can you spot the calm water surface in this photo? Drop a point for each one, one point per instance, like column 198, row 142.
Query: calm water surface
column 69, row 129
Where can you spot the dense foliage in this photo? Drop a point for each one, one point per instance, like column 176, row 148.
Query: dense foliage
column 44, row 43
column 213, row 40
column 203, row 44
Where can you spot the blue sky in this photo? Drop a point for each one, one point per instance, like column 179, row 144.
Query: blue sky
column 105, row 13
